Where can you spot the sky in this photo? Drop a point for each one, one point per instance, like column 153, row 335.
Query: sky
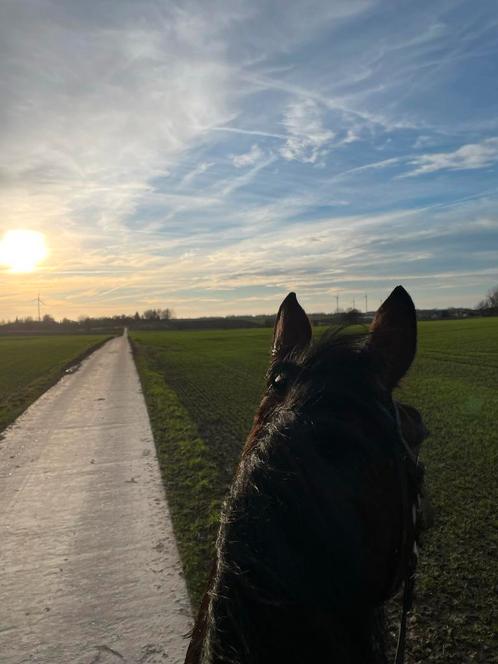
column 212, row 156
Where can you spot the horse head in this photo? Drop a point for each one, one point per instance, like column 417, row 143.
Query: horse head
column 319, row 526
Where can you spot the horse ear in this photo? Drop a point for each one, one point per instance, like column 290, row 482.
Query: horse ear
column 292, row 329
column 394, row 336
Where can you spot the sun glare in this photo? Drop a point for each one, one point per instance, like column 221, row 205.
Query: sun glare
column 22, row 250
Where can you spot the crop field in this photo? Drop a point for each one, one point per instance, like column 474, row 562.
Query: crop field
column 30, row 365
column 202, row 389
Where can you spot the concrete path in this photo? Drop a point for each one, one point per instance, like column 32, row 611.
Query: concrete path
column 89, row 570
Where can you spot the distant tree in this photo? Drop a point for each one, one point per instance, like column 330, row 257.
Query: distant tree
column 136, row 316
column 85, row 322
column 166, row 314
column 351, row 317
column 151, row 314
column 490, row 301
column 48, row 319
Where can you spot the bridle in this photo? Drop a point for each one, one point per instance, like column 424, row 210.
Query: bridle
column 411, row 473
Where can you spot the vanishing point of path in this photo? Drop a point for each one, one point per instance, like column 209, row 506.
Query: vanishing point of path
column 89, row 570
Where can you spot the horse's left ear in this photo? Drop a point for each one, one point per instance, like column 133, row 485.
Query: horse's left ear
column 292, row 331
column 394, row 336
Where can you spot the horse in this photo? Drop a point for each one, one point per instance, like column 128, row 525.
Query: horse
column 320, row 526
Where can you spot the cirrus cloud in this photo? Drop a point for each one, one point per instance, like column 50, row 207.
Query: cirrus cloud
column 467, row 157
column 254, row 155
column 307, row 138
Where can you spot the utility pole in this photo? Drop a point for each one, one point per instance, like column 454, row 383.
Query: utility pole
column 39, row 301
column 354, row 303
column 336, row 304
column 366, row 303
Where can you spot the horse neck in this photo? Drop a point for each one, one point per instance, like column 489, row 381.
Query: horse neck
column 234, row 626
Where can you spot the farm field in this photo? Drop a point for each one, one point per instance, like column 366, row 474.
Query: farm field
column 202, row 389
column 30, row 365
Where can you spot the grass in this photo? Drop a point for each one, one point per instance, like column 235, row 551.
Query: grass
column 200, row 415
column 30, row 365
column 202, row 389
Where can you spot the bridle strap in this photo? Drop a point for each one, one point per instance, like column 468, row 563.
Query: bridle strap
column 412, row 555
column 409, row 584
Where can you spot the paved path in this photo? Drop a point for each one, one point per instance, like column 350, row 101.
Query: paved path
column 89, row 570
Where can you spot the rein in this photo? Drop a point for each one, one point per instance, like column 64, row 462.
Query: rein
column 412, row 474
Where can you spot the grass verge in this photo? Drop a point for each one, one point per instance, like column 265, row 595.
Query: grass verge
column 188, row 473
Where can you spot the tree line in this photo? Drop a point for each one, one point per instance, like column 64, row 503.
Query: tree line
column 165, row 319
column 48, row 322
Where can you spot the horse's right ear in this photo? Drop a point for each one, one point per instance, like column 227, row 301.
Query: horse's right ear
column 292, row 331
column 394, row 336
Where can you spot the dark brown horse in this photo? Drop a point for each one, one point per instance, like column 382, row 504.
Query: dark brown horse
column 319, row 527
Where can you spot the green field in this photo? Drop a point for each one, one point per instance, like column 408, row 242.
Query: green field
column 29, row 365
column 202, row 389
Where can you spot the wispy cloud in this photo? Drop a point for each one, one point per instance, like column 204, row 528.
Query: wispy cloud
column 197, row 170
column 92, row 117
column 308, row 140
column 373, row 166
column 467, row 157
column 351, row 136
column 248, row 158
column 248, row 132
column 242, row 180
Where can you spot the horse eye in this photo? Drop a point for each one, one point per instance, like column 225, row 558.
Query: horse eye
column 280, row 377
column 279, row 382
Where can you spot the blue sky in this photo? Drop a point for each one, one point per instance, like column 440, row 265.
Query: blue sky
column 212, row 156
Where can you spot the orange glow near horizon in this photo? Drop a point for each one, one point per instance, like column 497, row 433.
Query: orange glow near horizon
column 22, row 250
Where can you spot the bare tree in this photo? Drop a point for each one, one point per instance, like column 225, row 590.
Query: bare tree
column 166, row 314
column 491, row 299
column 151, row 314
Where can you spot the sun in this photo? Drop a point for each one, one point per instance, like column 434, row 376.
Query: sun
column 22, row 250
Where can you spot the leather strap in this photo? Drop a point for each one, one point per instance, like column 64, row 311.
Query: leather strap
column 413, row 477
column 409, row 585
